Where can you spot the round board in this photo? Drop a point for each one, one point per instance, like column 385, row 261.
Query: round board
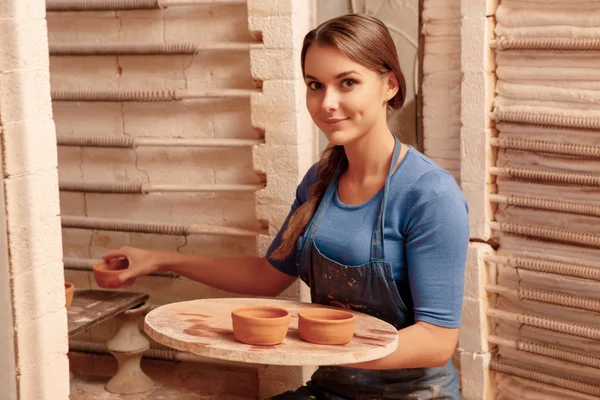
column 203, row 327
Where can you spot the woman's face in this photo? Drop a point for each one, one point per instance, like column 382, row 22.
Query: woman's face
column 345, row 99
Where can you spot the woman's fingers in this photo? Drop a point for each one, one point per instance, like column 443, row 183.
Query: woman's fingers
column 114, row 254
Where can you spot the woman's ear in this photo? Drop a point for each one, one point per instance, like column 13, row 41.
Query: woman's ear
column 392, row 85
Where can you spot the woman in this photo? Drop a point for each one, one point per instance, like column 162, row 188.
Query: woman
column 376, row 226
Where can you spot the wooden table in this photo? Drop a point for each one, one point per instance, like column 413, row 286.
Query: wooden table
column 203, row 327
column 92, row 307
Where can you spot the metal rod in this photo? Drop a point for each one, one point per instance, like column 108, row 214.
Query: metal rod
column 537, row 175
column 130, row 142
column 545, row 119
column 171, row 3
column 550, row 324
column 114, row 5
column 83, row 346
column 492, row 258
column 547, row 266
column 498, row 171
column 552, row 234
column 85, row 49
column 121, row 225
column 145, row 188
column 542, row 146
column 501, row 290
column 541, row 203
column 543, row 377
column 547, row 350
column 496, row 198
column 546, row 44
column 148, row 95
column 547, row 297
column 502, row 341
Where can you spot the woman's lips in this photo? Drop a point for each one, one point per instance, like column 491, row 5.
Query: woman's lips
column 334, row 121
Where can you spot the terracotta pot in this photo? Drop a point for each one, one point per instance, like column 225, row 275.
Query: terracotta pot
column 69, row 291
column 107, row 272
column 260, row 325
column 325, row 326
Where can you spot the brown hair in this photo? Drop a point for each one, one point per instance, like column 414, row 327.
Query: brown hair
column 367, row 41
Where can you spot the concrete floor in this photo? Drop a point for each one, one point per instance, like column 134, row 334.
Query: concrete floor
column 172, row 380
column 92, row 388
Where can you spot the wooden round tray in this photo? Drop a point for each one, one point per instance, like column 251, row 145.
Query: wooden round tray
column 203, row 327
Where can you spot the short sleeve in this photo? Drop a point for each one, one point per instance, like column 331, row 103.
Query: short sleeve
column 437, row 237
column 303, row 194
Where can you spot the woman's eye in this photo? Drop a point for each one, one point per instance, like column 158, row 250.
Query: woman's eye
column 348, row 83
column 314, row 85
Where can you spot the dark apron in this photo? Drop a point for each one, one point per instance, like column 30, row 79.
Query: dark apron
column 369, row 288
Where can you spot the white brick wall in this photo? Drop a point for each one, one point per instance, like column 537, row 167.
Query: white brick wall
column 30, row 188
column 278, row 113
column 476, row 156
column 477, row 94
column 7, row 334
column 476, row 381
column 473, row 344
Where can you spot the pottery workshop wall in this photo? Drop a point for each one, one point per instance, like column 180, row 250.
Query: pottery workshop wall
column 181, row 128
column 441, row 74
column 33, row 331
column 529, row 168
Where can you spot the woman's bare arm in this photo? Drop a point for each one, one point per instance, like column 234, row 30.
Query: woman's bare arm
column 421, row 345
column 253, row 276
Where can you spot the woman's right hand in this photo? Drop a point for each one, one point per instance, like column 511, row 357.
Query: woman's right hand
column 141, row 262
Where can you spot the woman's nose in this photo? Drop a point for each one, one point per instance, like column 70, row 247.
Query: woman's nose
column 330, row 100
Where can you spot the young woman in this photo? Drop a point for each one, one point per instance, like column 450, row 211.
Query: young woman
column 376, row 226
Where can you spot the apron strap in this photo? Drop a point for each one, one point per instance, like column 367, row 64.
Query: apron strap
column 313, row 225
column 377, row 251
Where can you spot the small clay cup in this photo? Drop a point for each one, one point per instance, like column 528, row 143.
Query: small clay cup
column 325, row 326
column 107, row 272
column 69, row 291
column 260, row 325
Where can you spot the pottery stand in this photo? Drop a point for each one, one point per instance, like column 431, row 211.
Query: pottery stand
column 204, row 327
column 127, row 347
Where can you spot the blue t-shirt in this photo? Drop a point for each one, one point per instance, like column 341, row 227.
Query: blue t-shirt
column 426, row 234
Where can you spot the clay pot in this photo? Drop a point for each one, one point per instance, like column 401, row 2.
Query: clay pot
column 260, row 325
column 107, row 272
column 325, row 326
column 69, row 291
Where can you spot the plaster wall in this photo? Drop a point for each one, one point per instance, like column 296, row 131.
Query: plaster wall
column 34, row 323
column 441, row 87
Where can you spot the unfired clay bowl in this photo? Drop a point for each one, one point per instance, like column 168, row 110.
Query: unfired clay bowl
column 325, row 326
column 260, row 325
column 107, row 272
column 69, row 291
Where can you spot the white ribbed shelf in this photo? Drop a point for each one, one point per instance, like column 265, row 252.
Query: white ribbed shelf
column 115, row 5
column 160, row 228
column 90, row 49
column 145, row 188
column 130, row 142
column 147, row 96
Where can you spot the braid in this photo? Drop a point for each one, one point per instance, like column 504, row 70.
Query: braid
column 298, row 221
